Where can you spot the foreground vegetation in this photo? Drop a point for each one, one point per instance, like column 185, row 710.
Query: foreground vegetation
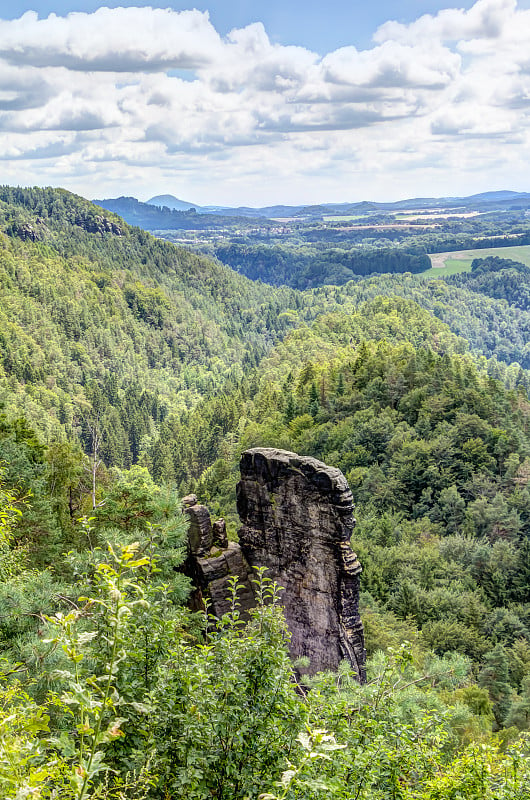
column 134, row 697
column 133, row 372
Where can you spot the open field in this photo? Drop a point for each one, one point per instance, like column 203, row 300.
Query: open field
column 342, row 218
column 450, row 267
column 453, row 262
column 435, row 213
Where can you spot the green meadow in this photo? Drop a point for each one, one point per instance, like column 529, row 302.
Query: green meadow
column 453, row 262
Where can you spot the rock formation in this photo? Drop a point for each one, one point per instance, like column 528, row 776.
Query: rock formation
column 200, row 534
column 212, row 560
column 94, row 223
column 297, row 520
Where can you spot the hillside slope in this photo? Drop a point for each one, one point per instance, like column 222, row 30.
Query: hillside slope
column 98, row 319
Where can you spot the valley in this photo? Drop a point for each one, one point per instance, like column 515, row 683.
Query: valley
column 306, row 247
column 264, row 400
column 134, row 372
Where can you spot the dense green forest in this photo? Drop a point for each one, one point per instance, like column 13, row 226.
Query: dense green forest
column 305, row 253
column 132, row 372
column 312, row 246
column 100, row 320
column 304, row 267
column 335, row 253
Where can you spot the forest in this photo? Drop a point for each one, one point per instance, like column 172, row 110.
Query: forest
column 133, row 372
column 306, row 247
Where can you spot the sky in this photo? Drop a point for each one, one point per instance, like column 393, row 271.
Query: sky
column 239, row 102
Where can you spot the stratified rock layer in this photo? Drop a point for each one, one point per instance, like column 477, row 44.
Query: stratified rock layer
column 212, row 561
column 297, row 520
column 200, row 533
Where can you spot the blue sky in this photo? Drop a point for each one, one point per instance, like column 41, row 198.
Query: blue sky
column 237, row 102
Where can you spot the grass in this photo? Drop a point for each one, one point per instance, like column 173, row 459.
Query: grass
column 451, row 263
column 451, row 267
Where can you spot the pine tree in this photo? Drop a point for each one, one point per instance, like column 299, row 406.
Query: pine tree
column 494, row 676
column 290, row 408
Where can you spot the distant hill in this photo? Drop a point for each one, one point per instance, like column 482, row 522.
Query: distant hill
column 169, row 201
column 157, row 213
column 157, row 218
column 486, row 201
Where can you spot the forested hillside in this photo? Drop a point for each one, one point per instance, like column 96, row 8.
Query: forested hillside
column 436, row 453
column 102, row 320
column 133, row 372
column 498, row 277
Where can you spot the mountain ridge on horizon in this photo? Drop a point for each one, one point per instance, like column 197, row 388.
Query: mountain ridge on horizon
column 496, row 198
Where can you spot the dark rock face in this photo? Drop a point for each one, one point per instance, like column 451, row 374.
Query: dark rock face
column 26, row 231
column 212, row 560
column 219, row 533
column 213, row 574
column 297, row 520
column 200, row 530
column 98, row 224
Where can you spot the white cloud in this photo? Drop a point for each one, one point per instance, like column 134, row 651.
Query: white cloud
column 111, row 40
column 152, row 93
column 484, row 20
column 392, row 65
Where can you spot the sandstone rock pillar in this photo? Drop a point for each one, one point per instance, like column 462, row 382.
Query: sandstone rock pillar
column 297, row 520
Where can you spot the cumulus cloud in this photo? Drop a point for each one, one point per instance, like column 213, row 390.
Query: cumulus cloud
column 392, row 65
column 162, row 91
column 111, row 40
column 22, row 88
column 484, row 20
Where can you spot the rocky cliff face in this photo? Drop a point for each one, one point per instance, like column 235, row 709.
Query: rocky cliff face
column 98, row 224
column 297, row 520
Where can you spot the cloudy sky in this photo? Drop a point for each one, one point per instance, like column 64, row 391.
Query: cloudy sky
column 249, row 102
